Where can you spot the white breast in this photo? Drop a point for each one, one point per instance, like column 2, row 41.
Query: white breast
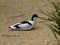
column 24, row 26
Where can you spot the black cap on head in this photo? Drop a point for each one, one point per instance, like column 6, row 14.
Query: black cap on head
column 35, row 15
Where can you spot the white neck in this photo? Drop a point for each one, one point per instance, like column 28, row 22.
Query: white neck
column 34, row 19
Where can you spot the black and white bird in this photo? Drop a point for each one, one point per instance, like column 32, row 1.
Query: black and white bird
column 25, row 25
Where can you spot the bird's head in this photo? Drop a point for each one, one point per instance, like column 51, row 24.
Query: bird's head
column 35, row 16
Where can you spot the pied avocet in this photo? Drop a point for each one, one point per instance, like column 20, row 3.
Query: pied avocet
column 25, row 25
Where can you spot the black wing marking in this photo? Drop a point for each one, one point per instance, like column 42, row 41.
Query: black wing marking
column 17, row 26
column 26, row 22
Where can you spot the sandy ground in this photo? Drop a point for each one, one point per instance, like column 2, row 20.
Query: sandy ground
column 40, row 35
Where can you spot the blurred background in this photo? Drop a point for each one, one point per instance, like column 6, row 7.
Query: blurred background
column 13, row 11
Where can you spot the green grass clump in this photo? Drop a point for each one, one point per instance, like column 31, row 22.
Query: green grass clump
column 54, row 17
